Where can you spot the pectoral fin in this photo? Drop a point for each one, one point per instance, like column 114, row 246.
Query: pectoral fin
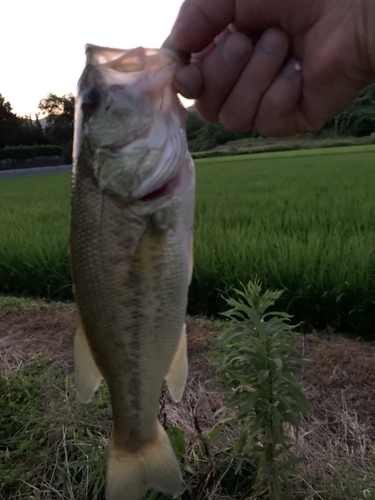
column 177, row 375
column 87, row 376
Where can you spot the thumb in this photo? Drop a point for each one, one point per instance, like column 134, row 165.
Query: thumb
column 198, row 23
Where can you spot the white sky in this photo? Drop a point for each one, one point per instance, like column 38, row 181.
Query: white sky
column 42, row 41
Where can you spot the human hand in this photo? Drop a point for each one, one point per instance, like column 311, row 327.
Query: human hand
column 282, row 68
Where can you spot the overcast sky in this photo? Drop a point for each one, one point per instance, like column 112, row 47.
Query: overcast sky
column 42, row 41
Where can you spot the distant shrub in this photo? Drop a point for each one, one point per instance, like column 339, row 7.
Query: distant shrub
column 364, row 126
column 24, row 152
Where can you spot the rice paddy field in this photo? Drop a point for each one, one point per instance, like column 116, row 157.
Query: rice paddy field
column 303, row 221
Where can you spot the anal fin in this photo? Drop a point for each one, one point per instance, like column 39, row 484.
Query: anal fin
column 178, row 371
column 87, row 376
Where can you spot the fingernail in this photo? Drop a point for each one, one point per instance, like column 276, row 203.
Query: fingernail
column 236, row 48
column 292, row 70
column 273, row 42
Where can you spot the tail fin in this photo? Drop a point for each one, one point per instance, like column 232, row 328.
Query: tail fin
column 154, row 466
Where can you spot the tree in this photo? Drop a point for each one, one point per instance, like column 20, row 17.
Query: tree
column 60, row 120
column 60, row 117
column 370, row 91
column 193, row 125
column 31, row 132
column 56, row 107
column 9, row 129
column 359, row 119
column 204, row 136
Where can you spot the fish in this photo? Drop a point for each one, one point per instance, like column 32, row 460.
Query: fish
column 131, row 253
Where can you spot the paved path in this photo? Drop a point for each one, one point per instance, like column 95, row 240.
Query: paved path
column 26, row 172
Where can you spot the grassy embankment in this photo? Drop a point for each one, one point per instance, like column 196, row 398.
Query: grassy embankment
column 274, row 144
column 300, row 220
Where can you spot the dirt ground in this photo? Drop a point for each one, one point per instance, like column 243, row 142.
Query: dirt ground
column 339, row 382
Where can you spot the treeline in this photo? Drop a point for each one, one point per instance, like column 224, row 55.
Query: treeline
column 358, row 121
column 23, row 131
column 204, row 136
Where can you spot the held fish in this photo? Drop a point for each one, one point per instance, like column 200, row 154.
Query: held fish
column 131, row 255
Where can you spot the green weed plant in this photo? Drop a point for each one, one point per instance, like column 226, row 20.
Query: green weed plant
column 259, row 366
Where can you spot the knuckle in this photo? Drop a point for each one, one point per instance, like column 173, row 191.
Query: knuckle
column 273, row 43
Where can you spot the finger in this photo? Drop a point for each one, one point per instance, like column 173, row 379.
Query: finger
column 241, row 106
column 200, row 56
column 220, row 71
column 198, row 23
column 188, row 81
column 278, row 113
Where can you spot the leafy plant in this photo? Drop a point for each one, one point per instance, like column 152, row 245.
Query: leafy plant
column 260, row 363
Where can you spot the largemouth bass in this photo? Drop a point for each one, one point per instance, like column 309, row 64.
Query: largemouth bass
column 131, row 255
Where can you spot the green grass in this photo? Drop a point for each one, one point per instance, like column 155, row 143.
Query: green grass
column 53, row 447
column 303, row 222
column 23, row 303
column 20, row 303
column 34, row 237
column 300, row 220
column 49, row 444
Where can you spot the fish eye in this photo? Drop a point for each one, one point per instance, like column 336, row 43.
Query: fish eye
column 91, row 98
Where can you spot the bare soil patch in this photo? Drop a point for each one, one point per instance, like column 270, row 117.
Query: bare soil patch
column 342, row 370
column 26, row 334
